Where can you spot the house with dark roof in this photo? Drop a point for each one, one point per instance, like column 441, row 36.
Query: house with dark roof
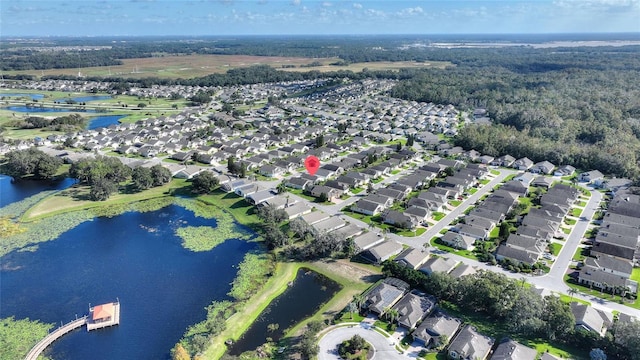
column 438, row 264
column 366, row 207
column 523, row 164
column 413, row 307
column 458, row 241
column 386, row 293
column 432, row 330
column 398, row 219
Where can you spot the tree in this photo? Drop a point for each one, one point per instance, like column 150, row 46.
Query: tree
column 626, row 333
column 557, row 316
column 571, row 293
column 359, row 300
column 231, row 165
column 160, row 175
column 597, row 354
column 399, row 146
column 47, row 166
column 410, row 140
column 273, row 327
column 391, row 315
column 351, row 308
column 320, row 141
column 142, row 178
column 22, row 163
column 204, row 183
column 101, row 189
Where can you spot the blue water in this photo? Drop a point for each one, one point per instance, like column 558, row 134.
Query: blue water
column 32, row 96
column 305, row 295
column 11, row 192
column 104, row 121
column 87, row 98
column 37, row 109
column 134, row 257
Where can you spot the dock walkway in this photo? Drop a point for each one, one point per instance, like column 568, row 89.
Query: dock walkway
column 53, row 336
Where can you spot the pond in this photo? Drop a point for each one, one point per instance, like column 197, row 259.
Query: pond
column 134, row 257
column 302, row 298
column 32, row 96
column 86, row 98
column 104, row 121
column 38, row 109
column 12, row 191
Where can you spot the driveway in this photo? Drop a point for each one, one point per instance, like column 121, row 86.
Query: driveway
column 384, row 349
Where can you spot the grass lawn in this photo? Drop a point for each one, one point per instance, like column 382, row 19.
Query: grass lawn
column 357, row 190
column 300, row 193
column 597, row 293
column 410, row 233
column 582, row 203
column 378, row 180
column 75, row 198
column 495, row 232
column 565, row 230
column 570, row 221
column 437, row 216
column 484, row 181
column 395, row 172
column 437, row 243
column 580, row 254
column 472, row 191
column 555, row 248
column 455, row 203
column 494, row 172
column 576, row 212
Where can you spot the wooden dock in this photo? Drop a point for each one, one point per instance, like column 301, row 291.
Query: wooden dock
column 113, row 319
column 99, row 317
column 53, row 336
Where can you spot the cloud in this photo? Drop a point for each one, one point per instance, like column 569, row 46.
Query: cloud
column 295, row 2
column 357, row 6
column 597, row 4
column 326, row 4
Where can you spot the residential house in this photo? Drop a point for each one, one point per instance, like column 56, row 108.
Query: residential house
column 458, row 241
column 523, row 164
column 382, row 296
column 379, row 253
column 513, row 350
column 564, row 170
column 436, row 330
column 297, row 210
column 543, row 167
column 367, row 240
column 591, row 319
column 593, row 177
column 413, row 307
column 398, row 219
column 505, row 160
column 330, row 193
column 314, row 217
column 438, row 264
column 412, row 258
column 298, row 183
column 363, row 206
column 470, row 345
column 271, row 170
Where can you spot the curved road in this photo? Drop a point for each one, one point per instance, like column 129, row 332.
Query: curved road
column 384, row 349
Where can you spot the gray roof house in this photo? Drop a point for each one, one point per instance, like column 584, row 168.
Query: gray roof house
column 591, row 319
column 458, row 241
column 513, row 350
column 470, row 345
column 432, row 328
column 367, row 240
column 366, row 207
column 385, row 294
column 438, row 264
column 523, row 164
column 413, row 307
column 381, row 252
column 412, row 258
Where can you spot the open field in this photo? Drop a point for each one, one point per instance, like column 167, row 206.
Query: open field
column 191, row 66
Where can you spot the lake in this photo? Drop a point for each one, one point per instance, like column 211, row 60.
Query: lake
column 38, row 109
column 104, row 121
column 302, row 299
column 11, row 192
column 32, row 96
column 134, row 257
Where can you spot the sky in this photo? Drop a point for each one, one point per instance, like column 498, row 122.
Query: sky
column 305, row 17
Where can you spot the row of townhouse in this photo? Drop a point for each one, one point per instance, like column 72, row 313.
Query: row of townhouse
column 615, row 251
column 539, row 226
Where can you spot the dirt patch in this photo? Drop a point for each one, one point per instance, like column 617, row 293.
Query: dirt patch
column 349, row 270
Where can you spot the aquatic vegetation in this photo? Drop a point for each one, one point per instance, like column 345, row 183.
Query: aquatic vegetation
column 17, row 337
column 199, row 238
column 252, row 273
column 20, row 207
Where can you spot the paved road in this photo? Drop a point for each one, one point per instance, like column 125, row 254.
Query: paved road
column 384, row 349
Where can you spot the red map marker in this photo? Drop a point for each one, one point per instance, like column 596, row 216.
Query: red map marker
column 312, row 164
